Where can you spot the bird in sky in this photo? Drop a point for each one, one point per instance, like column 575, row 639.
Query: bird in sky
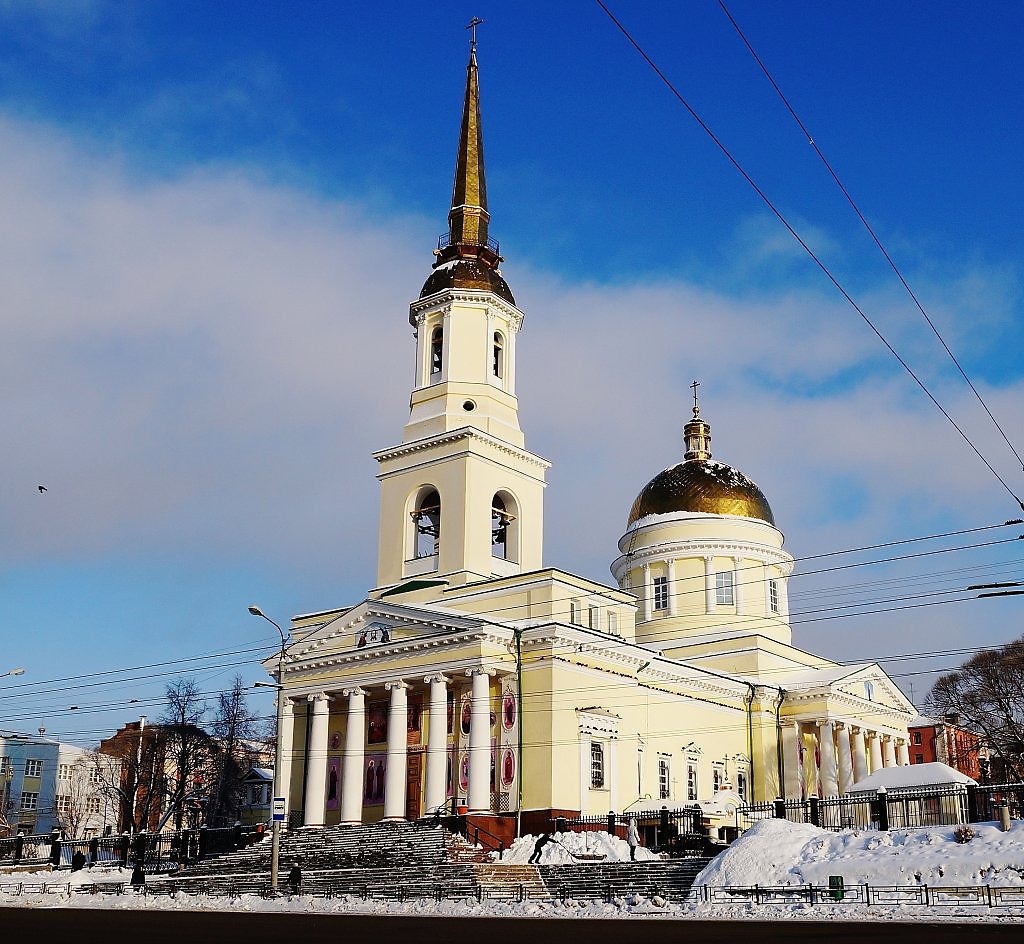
column 42, row 488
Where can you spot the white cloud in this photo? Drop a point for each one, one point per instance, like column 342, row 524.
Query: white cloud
column 201, row 366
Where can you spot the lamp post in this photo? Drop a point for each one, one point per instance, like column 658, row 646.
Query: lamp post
column 12, row 672
column 275, row 826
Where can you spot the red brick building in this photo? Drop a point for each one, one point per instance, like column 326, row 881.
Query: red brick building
column 945, row 741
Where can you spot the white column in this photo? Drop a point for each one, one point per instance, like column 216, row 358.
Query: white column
column 479, row 793
column 860, row 760
column 437, row 743
column 737, row 586
column 875, row 750
column 812, row 776
column 791, row 753
column 827, row 753
column 845, row 758
column 902, row 752
column 352, row 759
column 285, row 736
column 709, row 586
column 648, row 593
column 611, row 777
column 670, row 566
column 889, row 751
column 316, row 768
column 395, row 774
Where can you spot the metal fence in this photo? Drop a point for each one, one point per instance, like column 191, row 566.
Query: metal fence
column 678, row 831
column 926, row 896
column 155, row 852
column 940, row 805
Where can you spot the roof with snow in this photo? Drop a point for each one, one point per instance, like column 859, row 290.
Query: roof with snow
column 913, row 775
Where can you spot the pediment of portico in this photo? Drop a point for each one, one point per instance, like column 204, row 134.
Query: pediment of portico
column 845, row 692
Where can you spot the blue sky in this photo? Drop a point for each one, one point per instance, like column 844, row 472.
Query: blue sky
column 216, row 215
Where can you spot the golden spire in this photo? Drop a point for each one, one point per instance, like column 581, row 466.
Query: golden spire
column 468, row 219
column 697, row 433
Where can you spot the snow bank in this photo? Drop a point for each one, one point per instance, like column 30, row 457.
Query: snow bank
column 579, row 848
column 777, row 852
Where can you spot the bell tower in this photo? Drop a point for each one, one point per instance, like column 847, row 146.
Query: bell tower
column 461, row 497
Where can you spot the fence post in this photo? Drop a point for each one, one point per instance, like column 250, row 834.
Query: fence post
column 611, row 822
column 19, row 847
column 203, row 841
column 236, row 836
column 663, row 826
column 815, row 814
column 55, row 848
column 94, row 850
column 883, row 810
column 780, row 808
column 973, row 815
column 560, row 825
column 122, row 850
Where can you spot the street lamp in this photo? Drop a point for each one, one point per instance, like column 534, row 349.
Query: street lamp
column 12, row 672
column 275, row 825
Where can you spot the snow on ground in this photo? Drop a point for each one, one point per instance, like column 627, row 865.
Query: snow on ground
column 575, row 847
column 772, row 852
column 776, row 852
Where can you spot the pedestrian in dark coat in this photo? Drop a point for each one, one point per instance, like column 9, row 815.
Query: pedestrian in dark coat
column 538, row 847
column 295, row 878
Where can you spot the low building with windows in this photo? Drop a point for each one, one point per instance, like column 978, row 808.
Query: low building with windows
column 944, row 741
column 475, row 677
column 28, row 772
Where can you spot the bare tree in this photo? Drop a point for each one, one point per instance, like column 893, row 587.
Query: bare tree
column 234, row 727
column 133, row 783
column 190, row 749
column 987, row 695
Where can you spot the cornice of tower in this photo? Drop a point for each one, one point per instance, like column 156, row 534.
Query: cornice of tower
column 457, row 435
column 420, row 309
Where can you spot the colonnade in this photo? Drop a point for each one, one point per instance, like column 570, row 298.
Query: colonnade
column 353, row 757
column 846, row 753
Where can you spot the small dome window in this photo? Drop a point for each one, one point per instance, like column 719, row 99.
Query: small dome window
column 498, row 359
column 436, row 349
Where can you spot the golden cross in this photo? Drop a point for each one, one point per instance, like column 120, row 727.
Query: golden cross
column 695, row 385
column 473, row 24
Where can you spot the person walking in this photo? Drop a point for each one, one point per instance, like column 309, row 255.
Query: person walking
column 295, row 878
column 632, row 838
column 538, row 847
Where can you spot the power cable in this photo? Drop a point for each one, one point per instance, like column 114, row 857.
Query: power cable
column 869, row 228
column 810, row 252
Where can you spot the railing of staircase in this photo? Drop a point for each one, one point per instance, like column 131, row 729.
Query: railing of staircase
column 486, row 840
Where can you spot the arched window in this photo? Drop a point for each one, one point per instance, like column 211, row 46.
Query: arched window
column 498, row 363
column 426, row 518
column 436, row 349
column 504, row 534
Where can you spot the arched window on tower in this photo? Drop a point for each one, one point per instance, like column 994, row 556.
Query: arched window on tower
column 426, row 519
column 436, row 349
column 498, row 360
column 504, row 527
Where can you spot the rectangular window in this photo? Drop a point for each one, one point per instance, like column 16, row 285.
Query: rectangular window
column 741, row 784
column 92, row 805
column 723, row 588
column 29, row 802
column 596, row 765
column 691, row 781
column 773, row 595
column 95, row 775
column 63, row 803
column 64, row 771
column 574, row 613
column 661, row 593
column 33, row 768
column 613, row 623
column 5, row 765
column 917, row 737
column 664, row 778
column 595, row 618
column 717, row 777
column 919, row 758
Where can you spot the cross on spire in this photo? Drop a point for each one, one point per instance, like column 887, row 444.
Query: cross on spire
column 472, row 25
column 696, row 406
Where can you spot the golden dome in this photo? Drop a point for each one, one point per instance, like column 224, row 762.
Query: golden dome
column 698, row 484
column 467, row 273
column 705, row 487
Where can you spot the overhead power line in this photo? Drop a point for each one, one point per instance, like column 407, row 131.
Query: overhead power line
column 870, row 229
column 807, row 249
